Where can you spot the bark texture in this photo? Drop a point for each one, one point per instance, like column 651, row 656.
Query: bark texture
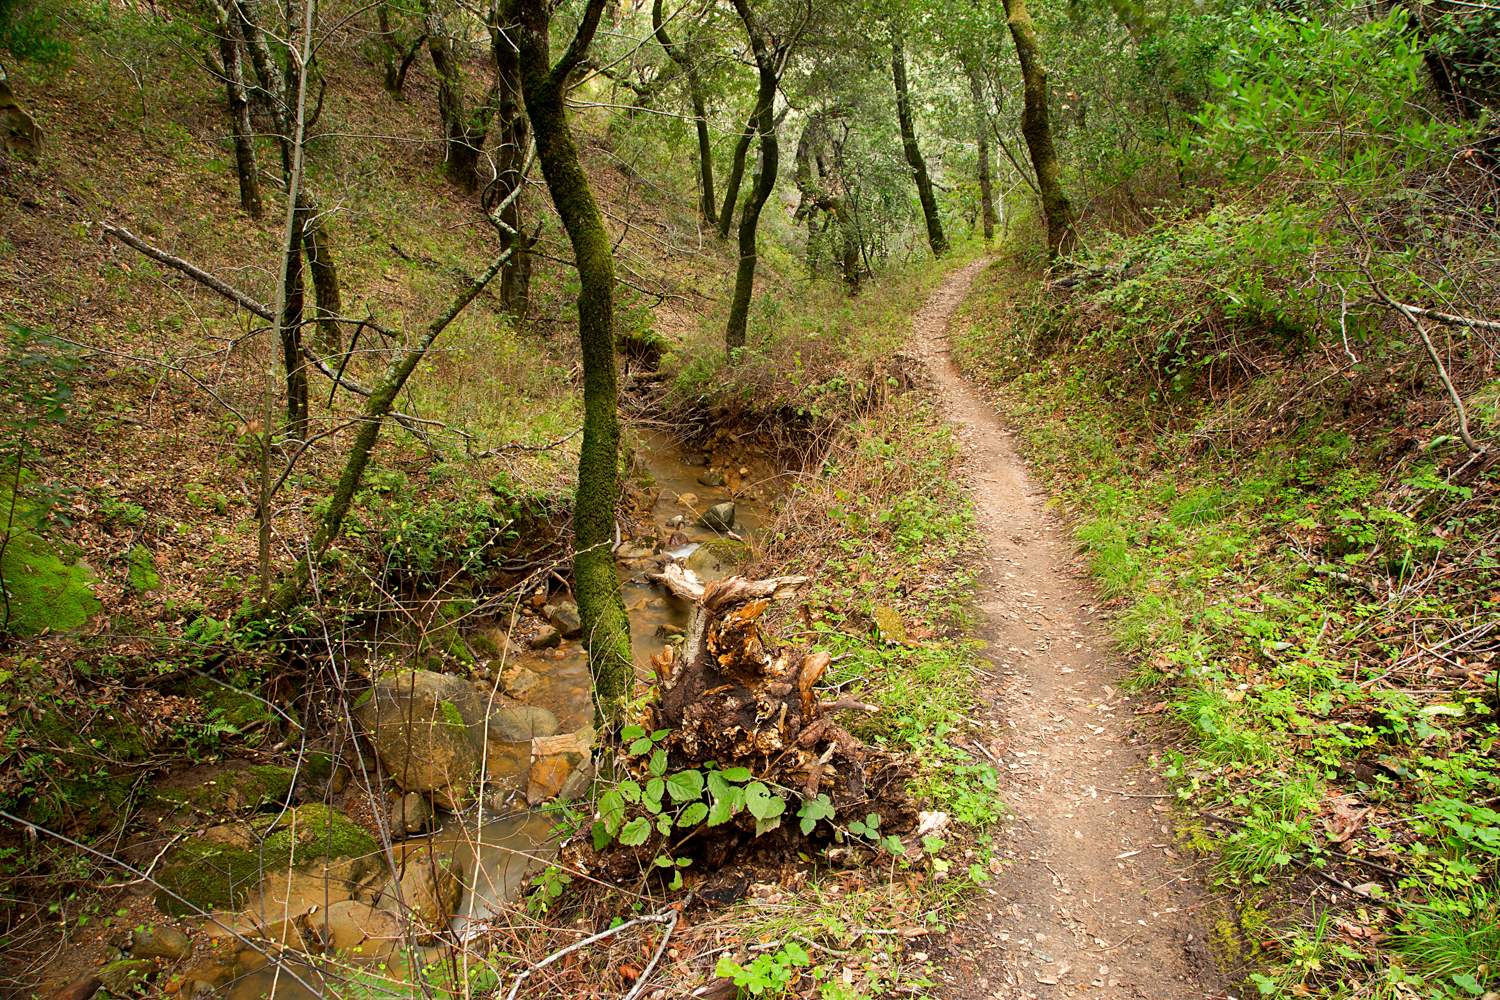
column 680, row 55
column 736, row 176
column 982, row 135
column 767, row 64
column 1036, row 128
column 935, row 237
column 606, row 628
column 507, row 189
column 464, row 131
column 227, row 33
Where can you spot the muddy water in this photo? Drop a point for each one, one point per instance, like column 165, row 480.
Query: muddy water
column 500, row 845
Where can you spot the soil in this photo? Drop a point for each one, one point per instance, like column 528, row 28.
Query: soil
column 1097, row 898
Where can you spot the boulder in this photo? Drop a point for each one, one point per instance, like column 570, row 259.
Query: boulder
column 712, row 477
column 521, row 723
column 428, row 729
column 160, row 941
column 546, row 637
column 565, row 619
column 518, row 682
column 409, row 815
column 351, row 924
column 634, row 550
column 718, row 559
column 719, row 517
column 429, row 888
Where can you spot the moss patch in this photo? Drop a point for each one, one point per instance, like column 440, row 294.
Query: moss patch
column 211, row 874
column 451, row 714
column 45, row 591
column 234, row 707
column 143, row 575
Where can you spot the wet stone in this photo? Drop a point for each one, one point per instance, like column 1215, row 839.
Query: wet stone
column 126, row 975
column 522, row 723
column 565, row 619
column 409, row 815
column 518, row 681
column 713, row 477
column 719, row 517
column 157, row 941
column 546, row 637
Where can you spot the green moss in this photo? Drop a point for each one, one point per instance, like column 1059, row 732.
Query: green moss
column 451, row 714
column 234, row 707
column 243, row 791
column 211, row 875
column 46, row 593
column 143, row 575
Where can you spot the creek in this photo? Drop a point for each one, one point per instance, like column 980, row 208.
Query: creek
column 502, row 843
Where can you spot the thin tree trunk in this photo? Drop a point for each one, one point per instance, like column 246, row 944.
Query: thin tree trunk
column 395, row 55
column 736, row 176
column 935, row 237
column 272, row 83
column 606, row 628
column 382, row 397
column 228, row 35
column 290, row 329
column 1062, row 236
column 510, row 172
column 982, row 133
column 680, row 55
column 765, row 180
column 325, row 281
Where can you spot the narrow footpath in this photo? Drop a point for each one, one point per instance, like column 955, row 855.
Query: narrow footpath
column 1094, row 897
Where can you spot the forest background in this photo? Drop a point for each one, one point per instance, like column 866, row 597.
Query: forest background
column 1241, row 312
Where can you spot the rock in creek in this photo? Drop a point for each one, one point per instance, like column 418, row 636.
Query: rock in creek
column 719, row 517
column 409, row 815
column 546, row 637
column 157, row 941
column 522, row 723
column 428, row 729
column 712, row 477
column 718, row 559
column 634, row 550
column 518, row 682
column 565, row 619
column 427, row 890
column 350, row 924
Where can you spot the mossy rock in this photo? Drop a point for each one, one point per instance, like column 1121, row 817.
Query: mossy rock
column 718, row 559
column 212, row 873
column 234, row 707
column 244, row 790
column 47, row 591
column 143, row 575
column 889, row 624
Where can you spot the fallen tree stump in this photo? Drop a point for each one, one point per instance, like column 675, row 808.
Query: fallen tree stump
column 738, row 751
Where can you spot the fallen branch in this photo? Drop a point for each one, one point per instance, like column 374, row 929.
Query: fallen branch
column 199, row 275
column 1458, row 404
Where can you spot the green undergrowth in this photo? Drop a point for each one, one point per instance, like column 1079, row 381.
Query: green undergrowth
column 1310, row 580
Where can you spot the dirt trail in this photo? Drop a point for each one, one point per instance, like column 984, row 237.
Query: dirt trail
column 1095, row 899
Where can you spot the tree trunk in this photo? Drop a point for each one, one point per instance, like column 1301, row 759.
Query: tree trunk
column 290, row 327
column 325, row 280
column 765, row 181
column 21, row 133
column 736, row 176
column 228, row 35
column 395, row 55
column 680, row 55
column 510, row 173
column 606, row 628
column 463, row 134
column 272, row 82
column 1062, row 236
column 982, row 133
column 935, row 236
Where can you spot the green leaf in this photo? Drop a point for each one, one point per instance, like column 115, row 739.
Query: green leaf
column 631, row 791
column 635, row 832
column 632, row 733
column 601, row 835
column 693, row 814
column 640, row 746
column 684, row 786
column 659, row 762
column 758, row 800
column 660, row 735
column 653, row 793
column 664, row 824
column 767, row 825
column 717, row 786
column 721, row 811
column 737, row 774
column 612, row 811
column 662, row 861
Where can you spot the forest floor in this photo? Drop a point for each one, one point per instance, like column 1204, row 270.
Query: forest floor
column 1100, row 900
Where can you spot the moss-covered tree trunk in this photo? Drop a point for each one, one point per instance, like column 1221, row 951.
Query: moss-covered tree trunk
column 325, row 281
column 1036, row 128
column 768, row 68
column 227, row 33
column 982, row 135
column 736, row 176
column 935, row 237
column 21, row 133
column 395, row 54
column 600, row 605
column 684, row 60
